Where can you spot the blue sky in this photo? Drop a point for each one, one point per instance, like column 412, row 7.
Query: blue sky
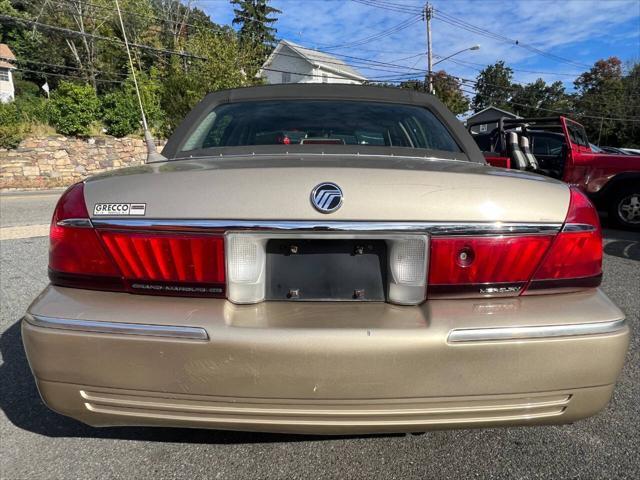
column 582, row 31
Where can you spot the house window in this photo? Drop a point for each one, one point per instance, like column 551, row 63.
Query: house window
column 286, row 77
column 325, row 78
column 4, row 75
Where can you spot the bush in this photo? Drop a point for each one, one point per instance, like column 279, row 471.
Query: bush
column 120, row 113
column 121, row 110
column 18, row 117
column 73, row 108
column 12, row 129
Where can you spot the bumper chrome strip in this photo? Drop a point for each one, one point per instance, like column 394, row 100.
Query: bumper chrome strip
column 526, row 333
column 433, row 228
column 173, row 331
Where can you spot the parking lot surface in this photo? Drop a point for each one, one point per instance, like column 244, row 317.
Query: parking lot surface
column 37, row 443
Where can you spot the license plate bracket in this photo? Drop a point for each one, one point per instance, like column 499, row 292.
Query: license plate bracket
column 300, row 269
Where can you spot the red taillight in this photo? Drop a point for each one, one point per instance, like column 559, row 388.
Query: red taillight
column 76, row 255
column 141, row 262
column 169, row 263
column 575, row 257
column 484, row 265
column 512, row 265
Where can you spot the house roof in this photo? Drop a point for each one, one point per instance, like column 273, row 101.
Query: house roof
column 6, row 56
column 496, row 109
column 318, row 59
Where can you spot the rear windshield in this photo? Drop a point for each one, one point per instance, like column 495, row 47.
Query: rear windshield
column 320, row 122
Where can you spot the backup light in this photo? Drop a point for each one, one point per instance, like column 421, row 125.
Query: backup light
column 408, row 266
column 246, row 260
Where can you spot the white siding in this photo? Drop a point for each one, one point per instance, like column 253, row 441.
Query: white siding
column 328, row 76
column 301, row 71
column 7, row 91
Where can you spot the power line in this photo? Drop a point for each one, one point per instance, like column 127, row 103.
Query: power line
column 390, row 6
column 451, row 20
column 98, row 37
column 368, row 64
column 384, row 33
column 64, row 67
column 470, row 64
column 41, row 72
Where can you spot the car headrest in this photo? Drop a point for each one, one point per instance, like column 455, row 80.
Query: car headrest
column 524, row 142
column 512, row 137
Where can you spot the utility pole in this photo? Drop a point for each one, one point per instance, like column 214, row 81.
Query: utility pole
column 428, row 13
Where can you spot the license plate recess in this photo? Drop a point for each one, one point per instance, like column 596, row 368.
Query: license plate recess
column 320, row 269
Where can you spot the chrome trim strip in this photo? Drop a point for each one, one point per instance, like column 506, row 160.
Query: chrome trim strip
column 527, row 333
column 578, row 227
column 75, row 222
column 172, row 331
column 433, row 228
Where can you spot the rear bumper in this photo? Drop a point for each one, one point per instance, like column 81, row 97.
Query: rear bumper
column 324, row 368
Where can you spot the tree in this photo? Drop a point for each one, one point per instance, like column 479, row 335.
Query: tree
column 256, row 31
column 539, row 99
column 601, row 93
column 223, row 67
column 493, row 87
column 631, row 102
column 446, row 88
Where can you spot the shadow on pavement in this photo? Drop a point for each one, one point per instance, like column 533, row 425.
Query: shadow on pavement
column 621, row 243
column 22, row 405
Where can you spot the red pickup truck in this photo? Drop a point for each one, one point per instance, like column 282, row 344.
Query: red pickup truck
column 558, row 147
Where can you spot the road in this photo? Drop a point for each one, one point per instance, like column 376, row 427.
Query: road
column 40, row 444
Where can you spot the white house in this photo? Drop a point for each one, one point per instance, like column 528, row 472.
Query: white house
column 7, row 91
column 291, row 63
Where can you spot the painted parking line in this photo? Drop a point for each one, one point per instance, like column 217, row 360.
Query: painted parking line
column 24, row 231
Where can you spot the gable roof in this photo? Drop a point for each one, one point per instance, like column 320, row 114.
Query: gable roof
column 491, row 107
column 6, row 56
column 318, row 59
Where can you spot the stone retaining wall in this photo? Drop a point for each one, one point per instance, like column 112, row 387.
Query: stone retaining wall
column 57, row 161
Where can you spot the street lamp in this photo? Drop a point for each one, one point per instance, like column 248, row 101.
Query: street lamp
column 475, row 47
column 430, row 74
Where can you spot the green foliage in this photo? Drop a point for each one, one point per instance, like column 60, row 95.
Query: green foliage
column 222, row 68
column 602, row 91
column 121, row 109
column 17, row 118
column 446, row 88
column 493, row 87
column 73, row 108
column 533, row 98
column 12, row 129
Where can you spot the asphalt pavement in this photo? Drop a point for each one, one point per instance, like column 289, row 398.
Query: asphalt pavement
column 37, row 443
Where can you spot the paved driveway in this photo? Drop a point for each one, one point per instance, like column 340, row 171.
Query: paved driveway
column 37, row 443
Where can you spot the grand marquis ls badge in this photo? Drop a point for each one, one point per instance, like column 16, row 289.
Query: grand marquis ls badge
column 326, row 197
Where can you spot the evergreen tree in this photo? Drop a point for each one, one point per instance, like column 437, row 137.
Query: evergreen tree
column 255, row 19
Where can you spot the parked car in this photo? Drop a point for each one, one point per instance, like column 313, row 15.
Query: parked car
column 615, row 150
column 391, row 281
column 558, row 147
column 632, row 151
